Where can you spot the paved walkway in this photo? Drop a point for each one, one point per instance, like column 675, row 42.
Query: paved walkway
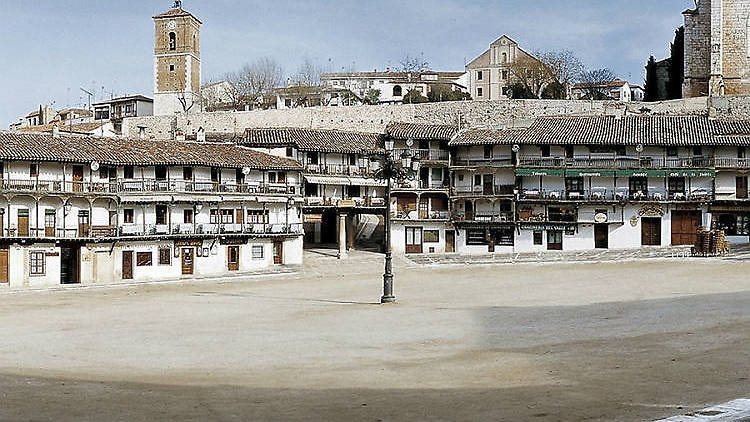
column 739, row 253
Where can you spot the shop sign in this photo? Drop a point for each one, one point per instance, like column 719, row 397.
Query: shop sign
column 233, row 241
column 651, row 210
column 692, row 173
column 590, row 173
column 540, row 172
column 548, row 226
column 640, row 173
column 52, row 254
column 188, row 243
column 600, row 218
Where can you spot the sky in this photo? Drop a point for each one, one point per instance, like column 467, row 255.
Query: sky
column 51, row 49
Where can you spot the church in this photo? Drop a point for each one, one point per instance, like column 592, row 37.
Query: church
column 717, row 48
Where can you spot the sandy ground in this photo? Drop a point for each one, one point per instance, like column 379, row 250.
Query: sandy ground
column 564, row 342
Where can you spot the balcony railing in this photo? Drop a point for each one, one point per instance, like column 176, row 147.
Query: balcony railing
column 337, row 169
column 485, row 217
column 139, row 230
column 620, row 194
column 617, row 162
column 425, row 154
column 420, row 215
column 482, row 162
column 421, row 185
column 332, row 202
column 498, row 190
column 144, row 185
column 741, row 163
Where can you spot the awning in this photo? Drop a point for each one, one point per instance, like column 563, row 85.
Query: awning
column 540, row 172
column 640, row 173
column 313, row 218
column 328, row 180
column 691, row 173
column 590, row 173
column 364, row 181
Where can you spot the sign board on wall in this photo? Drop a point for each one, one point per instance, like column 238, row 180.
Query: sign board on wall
column 188, row 243
column 233, row 241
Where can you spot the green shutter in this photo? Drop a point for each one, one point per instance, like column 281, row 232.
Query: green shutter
column 540, row 172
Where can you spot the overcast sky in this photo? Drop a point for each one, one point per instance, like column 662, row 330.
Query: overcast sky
column 50, row 49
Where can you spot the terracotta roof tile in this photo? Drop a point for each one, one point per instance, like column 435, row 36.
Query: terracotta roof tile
column 418, row 131
column 315, row 140
column 487, row 137
column 44, row 147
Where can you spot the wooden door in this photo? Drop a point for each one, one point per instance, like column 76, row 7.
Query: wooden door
column 70, row 259
column 488, row 181
column 77, row 178
column 601, row 236
column 650, row 231
column 23, row 223
column 127, row 265
column 450, row 241
column 278, row 253
column 413, row 240
column 554, row 240
column 2, row 224
column 742, row 187
column 685, row 226
column 84, row 223
column 4, row 270
column 49, row 224
column 188, row 261
column 233, row 258
column 469, row 209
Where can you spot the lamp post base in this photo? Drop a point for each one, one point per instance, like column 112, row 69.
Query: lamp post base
column 388, row 299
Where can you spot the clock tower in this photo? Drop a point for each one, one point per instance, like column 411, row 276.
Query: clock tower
column 177, row 62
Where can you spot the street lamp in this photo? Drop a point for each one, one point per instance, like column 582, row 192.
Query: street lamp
column 388, row 167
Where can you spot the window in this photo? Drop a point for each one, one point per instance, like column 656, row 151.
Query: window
column 129, row 172
column 312, row 158
column 103, row 173
column 144, row 259
column 569, row 152
column 34, row 170
column 352, row 159
column 187, row 216
column 638, row 184
column 36, row 263
column 538, row 237
column 480, row 92
column 172, row 41
column 281, row 177
column 480, row 75
column 676, row 185
column 460, row 177
column 215, row 175
column 504, row 75
column 505, row 58
column 227, row 216
column 49, row 219
column 487, row 151
column 161, row 214
column 214, row 217
column 697, row 151
column 477, row 180
column 506, row 91
column 398, row 91
column 239, row 177
column 671, row 151
column 733, row 224
column 257, row 216
column 257, row 252
column 160, row 173
column 476, row 237
column 165, row 256
column 741, row 152
column 431, row 236
column 272, row 177
column 574, row 184
column 289, row 152
column 187, row 173
column 171, row 68
column 545, row 150
column 128, row 215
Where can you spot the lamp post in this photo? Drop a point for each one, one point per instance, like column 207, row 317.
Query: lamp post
column 390, row 167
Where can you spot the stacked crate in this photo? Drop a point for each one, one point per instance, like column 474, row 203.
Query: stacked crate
column 710, row 243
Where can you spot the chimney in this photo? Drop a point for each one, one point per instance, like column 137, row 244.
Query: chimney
column 142, row 133
column 55, row 131
column 201, row 135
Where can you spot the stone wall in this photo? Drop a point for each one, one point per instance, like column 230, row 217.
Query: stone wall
column 374, row 119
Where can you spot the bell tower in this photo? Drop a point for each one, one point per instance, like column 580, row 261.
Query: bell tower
column 177, row 61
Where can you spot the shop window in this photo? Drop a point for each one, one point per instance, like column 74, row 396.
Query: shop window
column 476, row 237
column 165, row 256
column 144, row 259
column 36, row 263
column 698, row 151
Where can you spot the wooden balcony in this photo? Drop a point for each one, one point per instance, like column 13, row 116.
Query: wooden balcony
column 617, row 162
column 144, row 186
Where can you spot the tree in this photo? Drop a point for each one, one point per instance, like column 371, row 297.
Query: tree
column 372, row 97
column 519, row 91
column 534, row 75
column 414, row 97
column 411, row 63
column 252, row 82
column 565, row 68
column 595, row 83
column 652, row 84
column 308, row 74
column 677, row 65
column 444, row 92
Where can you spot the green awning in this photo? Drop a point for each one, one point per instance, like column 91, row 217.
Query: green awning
column 691, row 173
column 640, row 173
column 540, row 172
column 590, row 173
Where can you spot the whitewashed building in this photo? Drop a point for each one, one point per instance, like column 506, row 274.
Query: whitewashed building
column 393, row 86
column 94, row 210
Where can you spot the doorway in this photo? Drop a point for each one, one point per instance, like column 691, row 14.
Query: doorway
column 70, row 265
column 23, row 223
column 685, row 227
column 650, row 231
column 233, row 258
column 554, row 240
column 188, row 261
column 601, row 236
column 413, row 240
column 488, row 181
column 84, row 223
column 450, row 241
column 4, row 261
column 77, row 178
column 278, row 252
column 127, row 265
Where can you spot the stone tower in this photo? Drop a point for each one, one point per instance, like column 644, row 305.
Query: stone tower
column 717, row 48
column 177, row 62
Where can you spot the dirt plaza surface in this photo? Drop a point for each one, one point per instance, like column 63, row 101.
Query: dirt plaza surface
column 627, row 341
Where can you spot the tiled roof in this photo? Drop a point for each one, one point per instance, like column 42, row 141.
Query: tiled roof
column 315, row 140
column 43, row 147
column 418, row 131
column 125, row 99
column 487, row 137
column 176, row 12
column 81, row 128
column 609, row 84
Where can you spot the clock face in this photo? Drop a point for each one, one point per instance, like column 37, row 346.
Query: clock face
column 172, row 25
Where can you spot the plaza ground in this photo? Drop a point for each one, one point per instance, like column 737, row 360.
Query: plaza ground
column 614, row 341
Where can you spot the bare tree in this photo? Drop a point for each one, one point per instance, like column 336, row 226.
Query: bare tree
column 308, row 73
column 411, row 63
column 188, row 100
column 595, row 83
column 248, row 85
column 565, row 67
column 532, row 74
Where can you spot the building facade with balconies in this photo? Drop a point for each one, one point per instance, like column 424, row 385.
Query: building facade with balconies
column 94, row 210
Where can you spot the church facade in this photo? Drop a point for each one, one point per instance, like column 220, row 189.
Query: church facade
column 717, row 48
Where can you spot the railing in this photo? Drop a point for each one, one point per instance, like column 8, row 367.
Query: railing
column 425, row 154
column 337, row 169
column 529, row 216
column 145, row 185
column 617, row 162
column 602, row 194
column 59, row 232
column 483, row 162
column 742, row 163
column 485, row 217
column 420, row 215
column 361, row 202
column 499, row 190
column 420, row 185
column 139, row 230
